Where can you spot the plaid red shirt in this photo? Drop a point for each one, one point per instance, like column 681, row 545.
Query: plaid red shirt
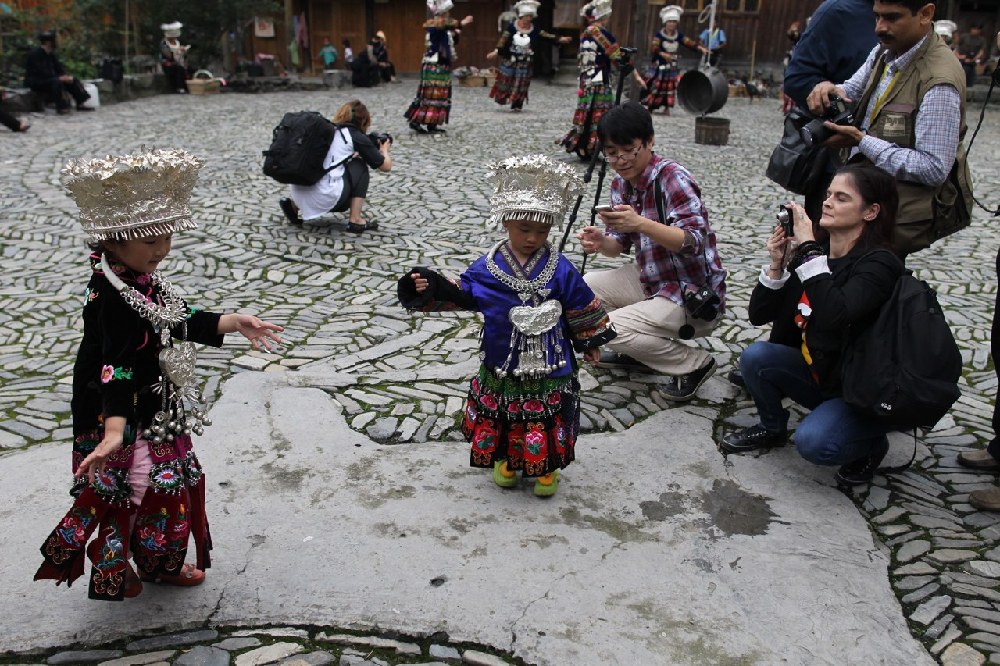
column 662, row 272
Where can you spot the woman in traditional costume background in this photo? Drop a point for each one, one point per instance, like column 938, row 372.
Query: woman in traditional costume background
column 138, row 484
column 432, row 105
column 598, row 52
column 662, row 80
column 523, row 408
column 516, row 49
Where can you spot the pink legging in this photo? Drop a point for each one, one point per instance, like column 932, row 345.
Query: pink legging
column 138, row 473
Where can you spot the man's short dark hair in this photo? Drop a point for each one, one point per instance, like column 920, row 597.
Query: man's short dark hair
column 47, row 36
column 913, row 5
column 624, row 124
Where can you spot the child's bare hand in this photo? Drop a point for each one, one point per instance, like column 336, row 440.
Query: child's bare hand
column 260, row 333
column 98, row 458
column 592, row 356
column 419, row 282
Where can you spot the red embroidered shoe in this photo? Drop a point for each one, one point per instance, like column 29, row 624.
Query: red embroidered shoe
column 188, row 577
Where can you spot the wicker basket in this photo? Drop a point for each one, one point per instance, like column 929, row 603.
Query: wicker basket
column 203, row 83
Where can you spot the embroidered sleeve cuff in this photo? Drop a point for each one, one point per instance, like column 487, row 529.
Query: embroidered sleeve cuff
column 812, row 268
column 771, row 283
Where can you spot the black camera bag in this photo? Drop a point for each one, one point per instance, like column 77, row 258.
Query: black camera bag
column 299, row 145
column 794, row 165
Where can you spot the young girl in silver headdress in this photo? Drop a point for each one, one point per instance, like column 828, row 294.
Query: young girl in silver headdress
column 523, row 408
column 138, row 484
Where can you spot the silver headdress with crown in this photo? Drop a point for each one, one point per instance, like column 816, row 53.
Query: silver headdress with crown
column 671, row 13
column 133, row 196
column 533, row 187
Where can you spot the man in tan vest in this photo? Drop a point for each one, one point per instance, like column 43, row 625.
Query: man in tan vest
column 910, row 121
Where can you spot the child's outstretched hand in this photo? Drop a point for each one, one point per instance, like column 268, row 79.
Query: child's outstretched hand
column 592, row 356
column 260, row 333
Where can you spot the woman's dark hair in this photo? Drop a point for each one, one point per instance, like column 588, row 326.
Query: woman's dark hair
column 354, row 113
column 346, row 42
column 874, row 186
column 624, row 124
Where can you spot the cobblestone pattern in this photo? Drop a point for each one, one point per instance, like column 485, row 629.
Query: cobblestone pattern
column 336, row 293
column 282, row 646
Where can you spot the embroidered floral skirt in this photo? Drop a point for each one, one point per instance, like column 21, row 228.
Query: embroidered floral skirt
column 512, row 83
column 531, row 423
column 661, row 84
column 171, row 511
column 592, row 102
column 432, row 105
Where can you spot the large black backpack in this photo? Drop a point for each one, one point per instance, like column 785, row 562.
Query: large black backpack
column 299, row 145
column 904, row 368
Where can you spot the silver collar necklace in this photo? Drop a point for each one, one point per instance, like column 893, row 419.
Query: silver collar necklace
column 172, row 312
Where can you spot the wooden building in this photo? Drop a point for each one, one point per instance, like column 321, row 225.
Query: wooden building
column 755, row 28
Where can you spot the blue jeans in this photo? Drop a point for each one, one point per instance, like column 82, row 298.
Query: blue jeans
column 833, row 433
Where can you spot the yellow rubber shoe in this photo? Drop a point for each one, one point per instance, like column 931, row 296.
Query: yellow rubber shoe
column 502, row 476
column 546, row 486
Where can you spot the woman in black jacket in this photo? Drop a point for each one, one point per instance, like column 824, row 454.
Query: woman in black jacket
column 829, row 288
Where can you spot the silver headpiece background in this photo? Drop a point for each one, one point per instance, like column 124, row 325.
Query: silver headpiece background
column 171, row 29
column 527, row 7
column 533, row 187
column 439, row 6
column 671, row 13
column 596, row 9
column 133, row 196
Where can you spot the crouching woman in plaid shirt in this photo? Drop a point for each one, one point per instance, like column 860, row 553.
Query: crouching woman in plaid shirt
column 676, row 288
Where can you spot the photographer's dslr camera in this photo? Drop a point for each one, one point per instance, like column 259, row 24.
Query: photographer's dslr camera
column 839, row 113
column 378, row 138
column 701, row 303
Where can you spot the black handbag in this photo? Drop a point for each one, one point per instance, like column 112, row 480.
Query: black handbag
column 795, row 166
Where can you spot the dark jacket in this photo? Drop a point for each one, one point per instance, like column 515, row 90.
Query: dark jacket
column 840, row 35
column 41, row 67
column 843, row 302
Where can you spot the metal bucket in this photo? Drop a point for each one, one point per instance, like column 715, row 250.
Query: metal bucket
column 702, row 91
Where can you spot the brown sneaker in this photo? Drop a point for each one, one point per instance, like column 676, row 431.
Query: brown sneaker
column 979, row 460
column 986, row 500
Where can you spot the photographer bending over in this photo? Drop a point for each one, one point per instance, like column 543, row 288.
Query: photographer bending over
column 345, row 186
column 818, row 296
column 676, row 287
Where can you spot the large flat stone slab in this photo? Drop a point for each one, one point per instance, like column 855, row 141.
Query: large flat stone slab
column 655, row 548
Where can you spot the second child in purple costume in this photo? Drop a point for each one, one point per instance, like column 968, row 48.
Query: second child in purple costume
column 523, row 409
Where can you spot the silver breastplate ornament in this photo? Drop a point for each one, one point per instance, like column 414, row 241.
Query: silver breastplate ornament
column 535, row 323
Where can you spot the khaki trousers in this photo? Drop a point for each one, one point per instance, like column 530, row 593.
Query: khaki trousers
column 648, row 328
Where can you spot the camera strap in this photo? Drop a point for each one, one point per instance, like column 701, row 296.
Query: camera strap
column 686, row 332
column 994, row 80
column 660, row 212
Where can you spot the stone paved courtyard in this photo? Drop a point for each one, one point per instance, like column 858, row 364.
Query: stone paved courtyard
column 335, row 293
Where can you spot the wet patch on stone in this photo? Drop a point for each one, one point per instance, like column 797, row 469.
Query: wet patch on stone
column 735, row 511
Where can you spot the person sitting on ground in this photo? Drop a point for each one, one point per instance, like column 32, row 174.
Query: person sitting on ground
column 344, row 187
column 11, row 122
column 364, row 68
column 386, row 69
column 819, row 296
column 173, row 57
column 676, row 288
column 45, row 75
